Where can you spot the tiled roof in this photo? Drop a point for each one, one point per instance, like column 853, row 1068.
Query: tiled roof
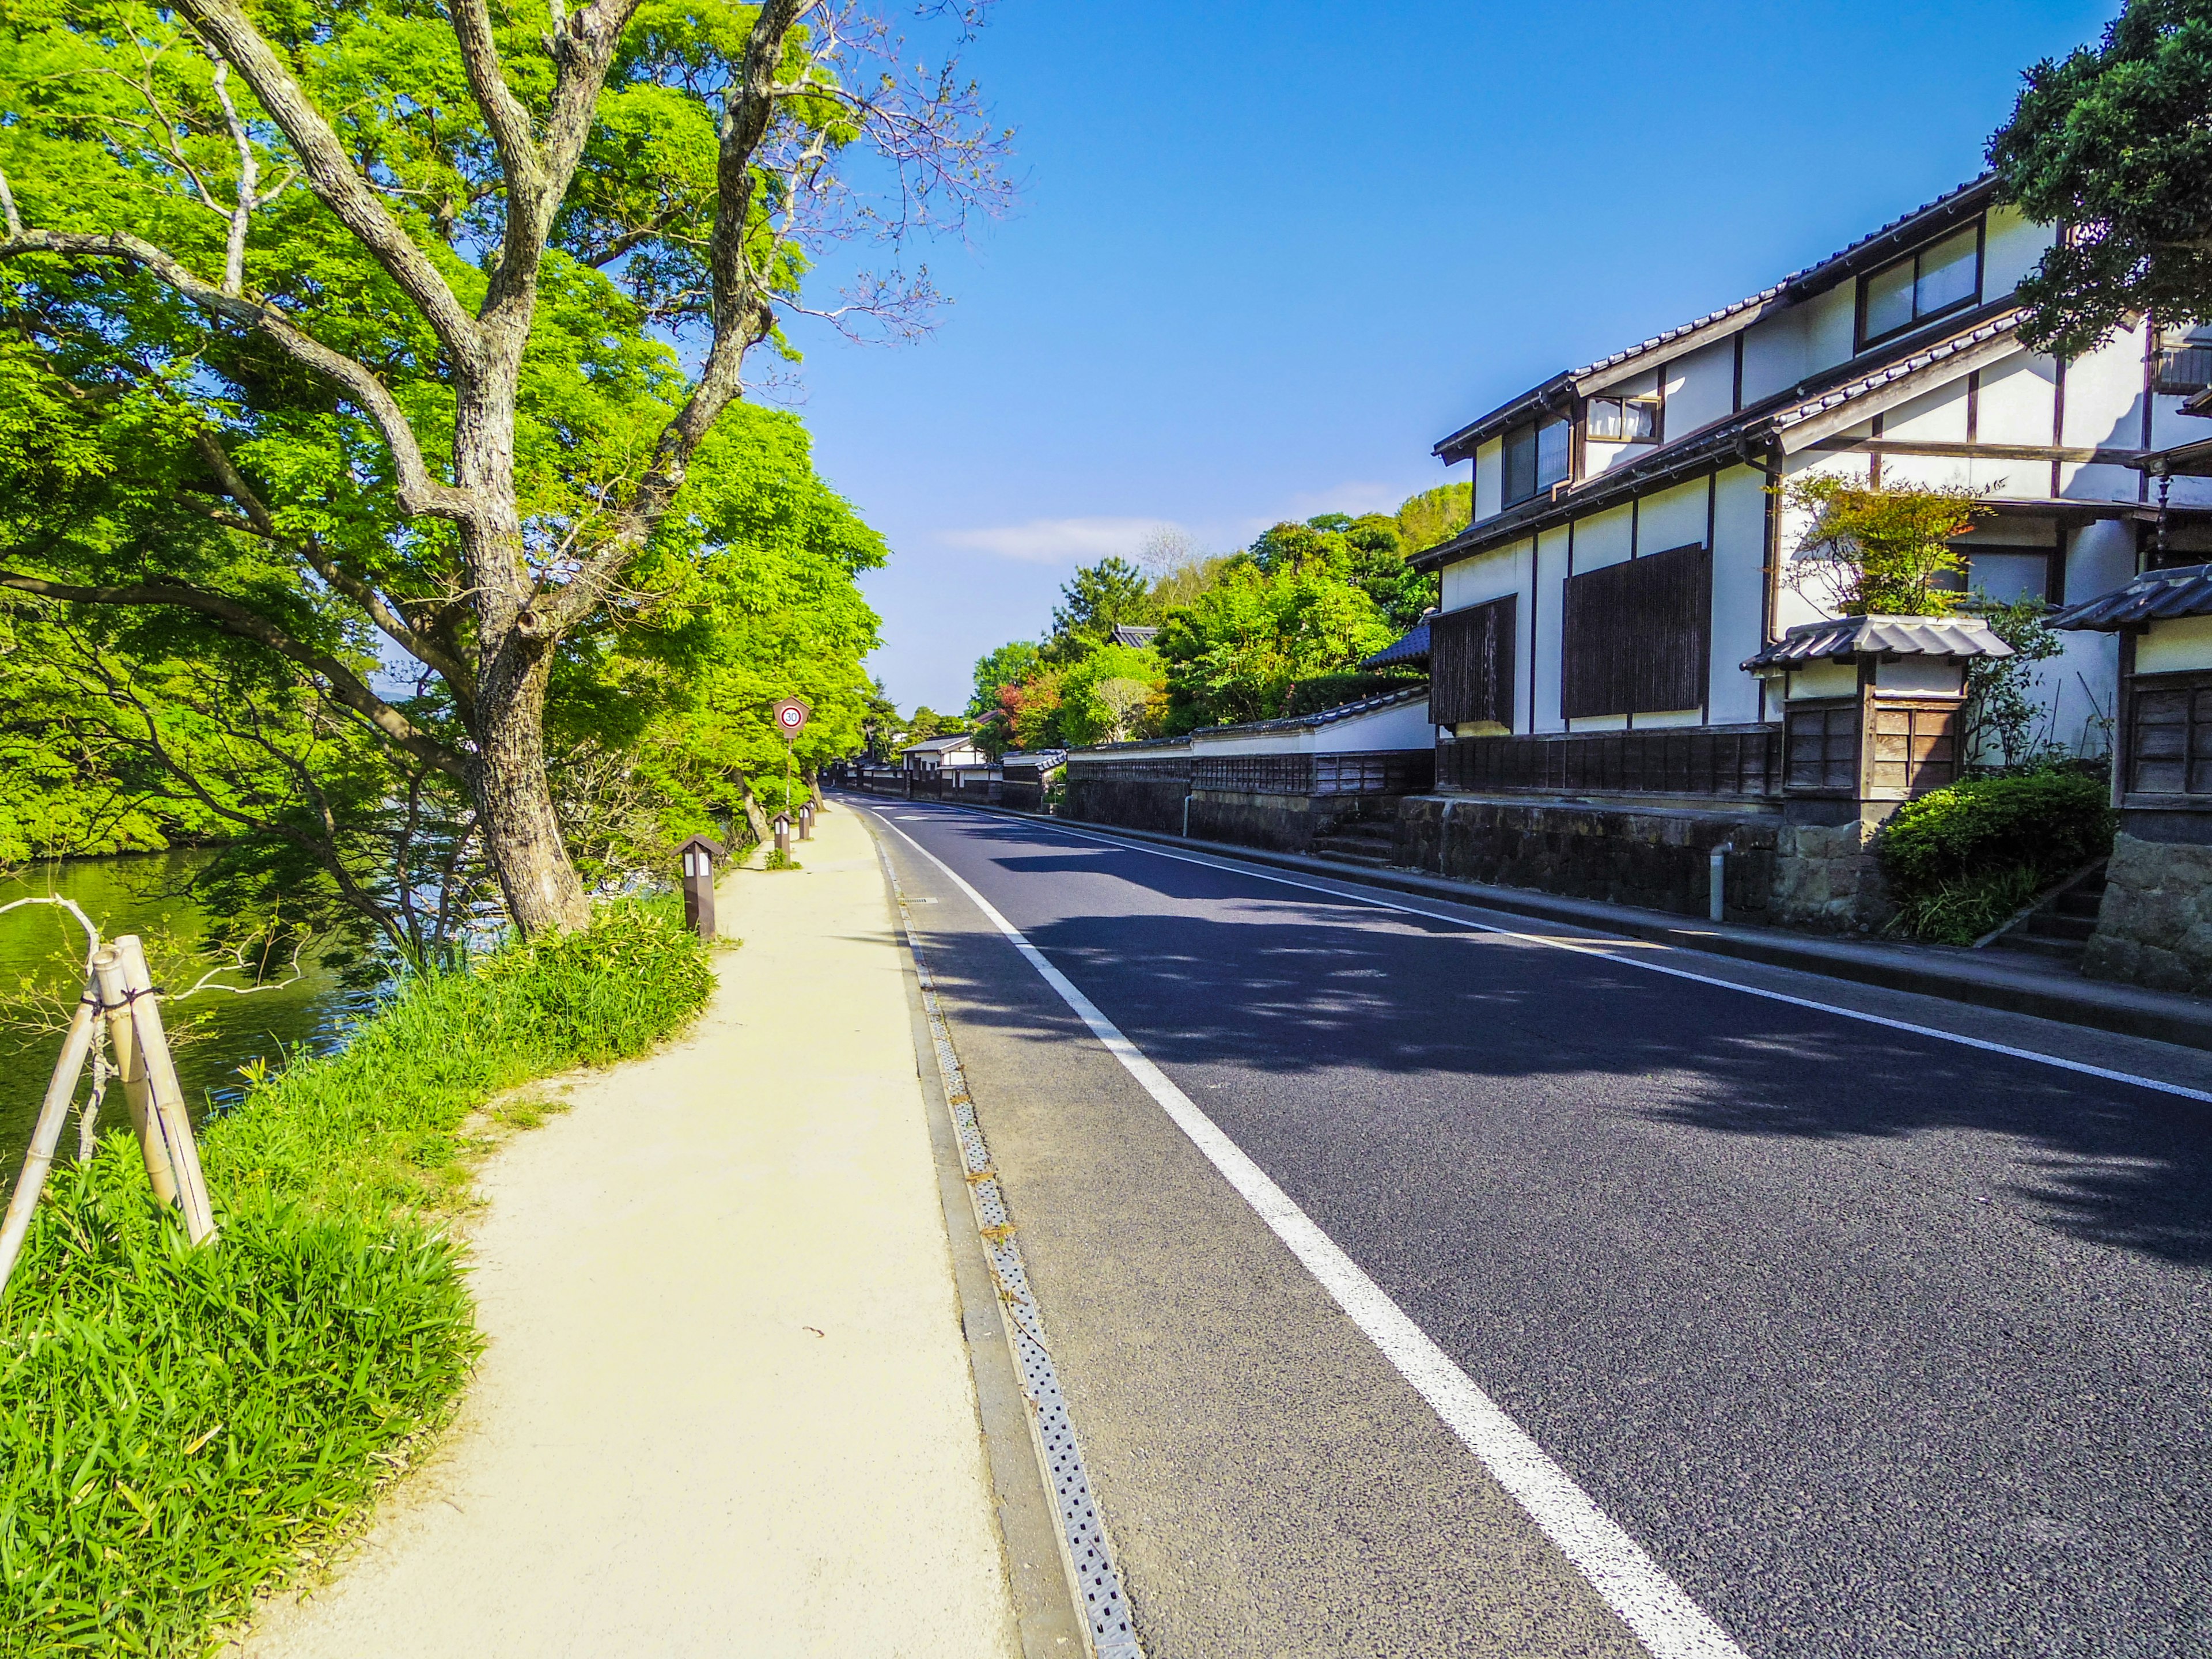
column 1896, row 370
column 1411, row 649
column 1376, row 704
column 1797, row 282
column 938, row 745
column 1126, row 634
column 1887, row 636
column 2155, row 596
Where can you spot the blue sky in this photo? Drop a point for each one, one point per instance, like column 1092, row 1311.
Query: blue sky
column 1265, row 255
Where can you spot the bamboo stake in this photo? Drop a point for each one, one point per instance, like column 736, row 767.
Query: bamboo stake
column 168, row 1096
column 130, row 1072
column 51, row 1116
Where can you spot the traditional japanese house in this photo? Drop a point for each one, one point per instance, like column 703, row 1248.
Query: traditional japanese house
column 1615, row 625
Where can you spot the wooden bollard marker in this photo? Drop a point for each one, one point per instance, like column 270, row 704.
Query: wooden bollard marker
column 168, row 1106
column 53, row 1113
column 130, row 1072
column 696, row 857
column 807, row 820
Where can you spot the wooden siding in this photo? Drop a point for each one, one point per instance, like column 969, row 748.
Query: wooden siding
column 1636, row 635
column 1913, row 747
column 1471, row 662
column 1823, row 738
column 1740, row 762
column 2170, row 735
column 1377, row 772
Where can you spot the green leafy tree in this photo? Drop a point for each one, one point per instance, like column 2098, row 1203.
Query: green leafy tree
column 393, row 334
column 1095, row 601
column 1105, row 697
column 1009, row 664
column 2114, row 142
column 1871, row 550
column 1233, row 654
column 1435, row 516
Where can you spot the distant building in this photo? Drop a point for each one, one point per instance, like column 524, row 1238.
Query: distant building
column 934, row 755
column 1123, row 634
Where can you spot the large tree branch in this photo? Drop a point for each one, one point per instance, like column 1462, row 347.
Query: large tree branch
column 518, row 157
column 346, row 687
column 739, row 309
column 259, row 522
column 420, row 494
column 332, row 176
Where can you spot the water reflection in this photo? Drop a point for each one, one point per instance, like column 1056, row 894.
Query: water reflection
column 144, row 894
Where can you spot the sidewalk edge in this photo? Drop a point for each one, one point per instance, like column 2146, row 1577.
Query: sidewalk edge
column 1038, row 1578
column 2162, row 1016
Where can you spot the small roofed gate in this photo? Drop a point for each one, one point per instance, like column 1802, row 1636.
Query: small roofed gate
column 1471, row 665
column 1638, row 635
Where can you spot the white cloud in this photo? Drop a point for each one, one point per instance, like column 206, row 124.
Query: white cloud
column 1059, row 541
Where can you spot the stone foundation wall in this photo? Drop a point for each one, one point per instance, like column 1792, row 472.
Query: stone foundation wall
column 1133, row 803
column 2154, row 927
column 1828, row 878
column 1657, row 858
column 1282, row 823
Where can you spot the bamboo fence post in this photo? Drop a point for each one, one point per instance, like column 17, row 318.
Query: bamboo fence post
column 130, row 1072
column 53, row 1114
column 168, row 1096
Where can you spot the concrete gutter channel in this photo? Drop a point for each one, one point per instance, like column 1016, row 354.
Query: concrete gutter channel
column 1927, row 971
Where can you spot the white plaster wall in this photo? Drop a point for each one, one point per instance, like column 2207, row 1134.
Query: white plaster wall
column 1942, row 472
column 1487, row 483
column 2011, row 247
column 2098, row 481
column 1550, row 584
column 1794, row 606
column 2016, row 405
column 1773, row 354
column 1404, row 727
column 1673, row 517
column 2100, row 558
column 1739, row 591
column 1700, row 389
column 2167, row 647
column 1662, row 717
column 1599, row 456
column 2104, row 394
column 1474, row 581
column 1602, row 539
column 1938, row 415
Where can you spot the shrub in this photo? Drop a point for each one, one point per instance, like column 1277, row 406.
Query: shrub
column 1960, row 860
column 179, row 1426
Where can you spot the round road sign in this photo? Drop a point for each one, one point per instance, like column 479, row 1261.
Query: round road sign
column 790, row 715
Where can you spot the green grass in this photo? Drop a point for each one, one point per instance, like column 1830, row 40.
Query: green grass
column 179, row 1426
column 1960, row 910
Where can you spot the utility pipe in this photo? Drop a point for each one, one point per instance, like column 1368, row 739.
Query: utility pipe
column 1717, row 880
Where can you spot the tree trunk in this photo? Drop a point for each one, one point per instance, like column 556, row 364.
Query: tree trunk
column 756, row 819
column 522, row 832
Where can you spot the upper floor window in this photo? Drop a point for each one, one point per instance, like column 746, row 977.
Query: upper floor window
column 1536, row 458
column 1625, row 420
column 1943, row 276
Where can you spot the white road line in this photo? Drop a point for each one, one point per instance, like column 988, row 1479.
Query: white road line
column 1649, row 967
column 1650, row 1602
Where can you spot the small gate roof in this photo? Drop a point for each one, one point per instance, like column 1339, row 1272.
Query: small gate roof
column 2155, row 596
column 1851, row 637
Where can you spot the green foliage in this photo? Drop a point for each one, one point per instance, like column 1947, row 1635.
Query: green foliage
column 1095, row 601
column 2116, row 140
column 1954, row 853
column 2001, row 709
column 1435, row 516
column 1232, row 656
column 1873, row 551
column 1090, row 690
column 777, row 859
column 182, row 1426
column 1009, row 664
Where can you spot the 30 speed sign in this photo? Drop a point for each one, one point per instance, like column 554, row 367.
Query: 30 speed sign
column 790, row 715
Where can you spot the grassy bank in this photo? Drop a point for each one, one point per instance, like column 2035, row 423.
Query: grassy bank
column 179, row 1427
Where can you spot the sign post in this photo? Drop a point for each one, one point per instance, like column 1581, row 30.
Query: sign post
column 790, row 715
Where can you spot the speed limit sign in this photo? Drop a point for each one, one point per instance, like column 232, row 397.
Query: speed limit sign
column 790, row 715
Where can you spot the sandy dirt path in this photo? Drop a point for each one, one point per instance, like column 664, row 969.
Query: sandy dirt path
column 727, row 1408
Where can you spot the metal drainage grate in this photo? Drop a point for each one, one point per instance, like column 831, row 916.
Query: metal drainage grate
column 1106, row 1608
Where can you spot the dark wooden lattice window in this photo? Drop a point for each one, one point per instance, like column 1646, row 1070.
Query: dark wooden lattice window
column 1824, row 746
column 2170, row 736
column 1471, row 664
column 1636, row 635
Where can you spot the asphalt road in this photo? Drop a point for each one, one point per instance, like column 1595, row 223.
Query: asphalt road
column 1878, row 1343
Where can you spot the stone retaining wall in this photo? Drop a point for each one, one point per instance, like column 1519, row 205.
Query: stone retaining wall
column 2155, row 926
column 1657, row 858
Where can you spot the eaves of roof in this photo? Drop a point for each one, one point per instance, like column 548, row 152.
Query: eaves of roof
column 1742, row 438
column 1320, row 717
column 1926, row 219
column 1411, row 647
column 1847, row 638
column 2155, row 596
